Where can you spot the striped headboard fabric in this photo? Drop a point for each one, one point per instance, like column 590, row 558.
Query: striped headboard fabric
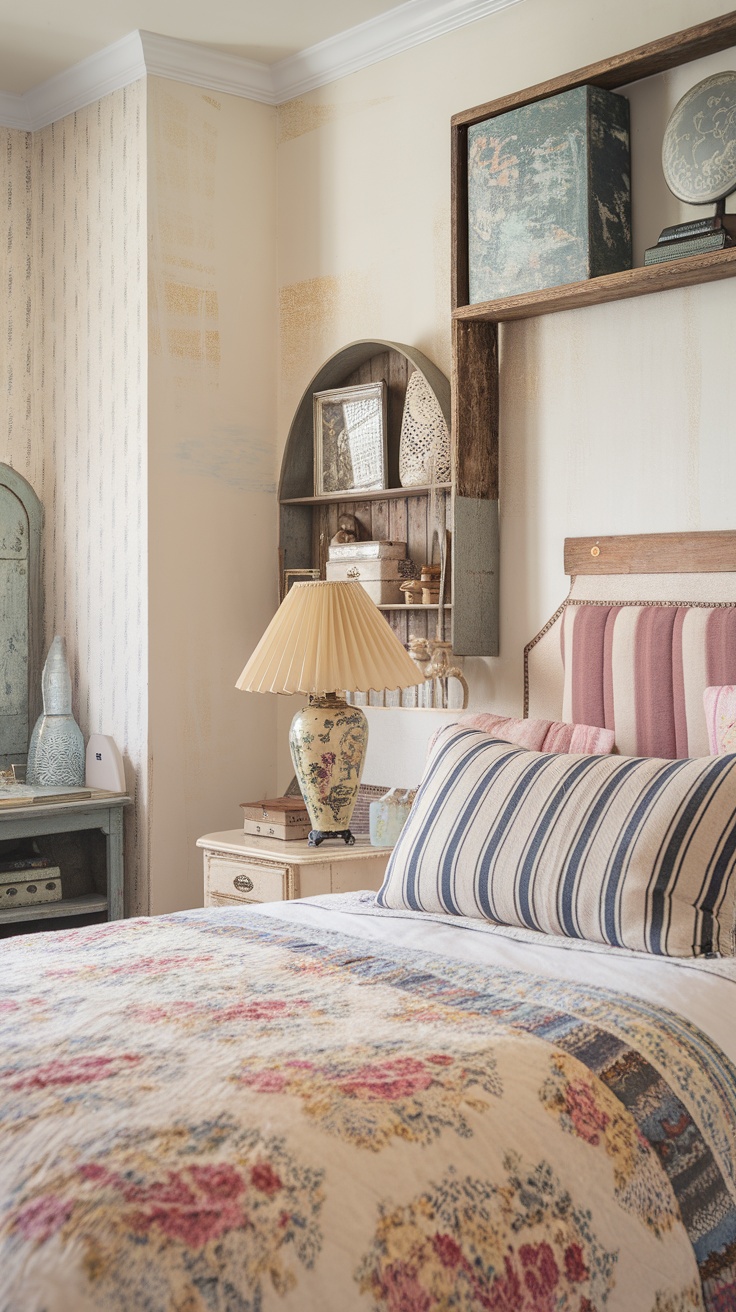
column 642, row 671
column 634, row 653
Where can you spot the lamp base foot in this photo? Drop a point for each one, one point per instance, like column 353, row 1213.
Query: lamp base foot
column 318, row 836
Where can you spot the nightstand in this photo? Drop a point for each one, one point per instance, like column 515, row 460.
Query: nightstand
column 241, row 867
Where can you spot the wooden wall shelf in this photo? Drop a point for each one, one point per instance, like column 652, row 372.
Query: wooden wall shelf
column 382, row 494
column 656, row 57
column 418, row 516
column 643, row 281
column 475, row 383
column 419, row 605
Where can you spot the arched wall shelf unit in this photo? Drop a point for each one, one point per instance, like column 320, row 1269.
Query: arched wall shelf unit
column 417, row 515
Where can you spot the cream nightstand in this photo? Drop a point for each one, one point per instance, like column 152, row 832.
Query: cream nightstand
column 242, row 867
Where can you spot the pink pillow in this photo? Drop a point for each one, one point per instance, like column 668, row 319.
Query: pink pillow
column 720, row 714
column 543, row 735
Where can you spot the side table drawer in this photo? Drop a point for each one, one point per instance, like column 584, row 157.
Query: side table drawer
column 244, row 881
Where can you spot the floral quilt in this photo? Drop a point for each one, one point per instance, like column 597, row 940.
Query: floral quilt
column 223, row 1112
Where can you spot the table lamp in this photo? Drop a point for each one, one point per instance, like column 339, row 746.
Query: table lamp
column 326, row 639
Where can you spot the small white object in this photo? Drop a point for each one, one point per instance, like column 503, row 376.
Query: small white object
column 104, row 764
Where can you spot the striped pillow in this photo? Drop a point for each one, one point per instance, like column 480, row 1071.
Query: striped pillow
column 635, row 852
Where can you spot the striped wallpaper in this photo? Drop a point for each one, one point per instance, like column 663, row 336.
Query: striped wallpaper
column 16, row 360
column 72, row 263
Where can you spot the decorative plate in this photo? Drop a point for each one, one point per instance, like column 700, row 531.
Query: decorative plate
column 699, row 147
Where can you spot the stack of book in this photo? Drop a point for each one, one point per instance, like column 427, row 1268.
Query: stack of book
column 696, row 238
column 277, row 817
column 28, row 880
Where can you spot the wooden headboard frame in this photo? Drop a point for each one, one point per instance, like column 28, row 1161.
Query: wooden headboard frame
column 653, row 553
column 650, row 554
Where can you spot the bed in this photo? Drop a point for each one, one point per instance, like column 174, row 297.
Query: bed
column 334, row 1104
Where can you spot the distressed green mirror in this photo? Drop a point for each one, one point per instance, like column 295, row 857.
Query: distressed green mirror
column 21, row 519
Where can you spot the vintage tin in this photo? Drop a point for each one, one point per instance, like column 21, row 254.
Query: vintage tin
column 549, row 194
column 369, row 571
column 26, row 888
column 385, row 549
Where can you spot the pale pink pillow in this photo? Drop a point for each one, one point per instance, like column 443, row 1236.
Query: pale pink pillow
column 543, row 735
column 720, row 714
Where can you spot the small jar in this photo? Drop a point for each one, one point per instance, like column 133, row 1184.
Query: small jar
column 389, row 814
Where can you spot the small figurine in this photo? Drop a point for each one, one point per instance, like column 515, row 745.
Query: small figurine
column 348, row 529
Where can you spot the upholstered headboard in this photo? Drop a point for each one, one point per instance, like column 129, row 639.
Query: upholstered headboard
column 648, row 624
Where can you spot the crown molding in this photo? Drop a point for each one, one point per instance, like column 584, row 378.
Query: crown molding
column 166, row 56
column 139, row 53
column 14, row 112
column 379, row 38
column 116, row 66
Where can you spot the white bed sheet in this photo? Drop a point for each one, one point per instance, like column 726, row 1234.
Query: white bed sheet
column 702, row 990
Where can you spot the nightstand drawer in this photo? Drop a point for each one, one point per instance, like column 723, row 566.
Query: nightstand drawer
column 241, row 868
column 245, row 881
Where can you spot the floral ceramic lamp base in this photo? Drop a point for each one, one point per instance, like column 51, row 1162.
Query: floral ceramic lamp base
column 328, row 739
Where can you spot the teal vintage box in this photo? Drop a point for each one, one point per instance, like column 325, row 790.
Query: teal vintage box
column 549, row 194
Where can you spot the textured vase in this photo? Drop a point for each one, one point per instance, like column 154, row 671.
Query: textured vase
column 56, row 751
column 328, row 740
column 424, row 449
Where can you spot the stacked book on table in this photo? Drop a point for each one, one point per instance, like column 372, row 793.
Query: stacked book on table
column 28, row 880
column 277, row 817
column 696, row 238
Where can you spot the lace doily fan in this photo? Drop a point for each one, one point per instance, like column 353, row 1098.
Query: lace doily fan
column 424, row 452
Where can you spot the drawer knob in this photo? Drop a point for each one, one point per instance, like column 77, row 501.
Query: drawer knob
column 354, row 573
column 243, row 883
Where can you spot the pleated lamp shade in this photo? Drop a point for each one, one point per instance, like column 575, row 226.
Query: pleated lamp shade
column 328, row 637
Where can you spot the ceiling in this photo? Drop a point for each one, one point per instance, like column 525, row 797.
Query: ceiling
column 44, row 37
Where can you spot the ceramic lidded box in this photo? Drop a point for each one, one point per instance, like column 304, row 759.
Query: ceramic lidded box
column 549, row 194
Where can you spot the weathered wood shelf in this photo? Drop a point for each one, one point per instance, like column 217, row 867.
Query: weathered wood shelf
column 381, row 494
column 707, row 38
column 67, row 906
column 402, row 605
column 475, row 393
column 686, row 272
column 419, row 516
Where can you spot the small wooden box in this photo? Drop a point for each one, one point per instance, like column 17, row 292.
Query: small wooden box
column 27, row 888
column 549, row 194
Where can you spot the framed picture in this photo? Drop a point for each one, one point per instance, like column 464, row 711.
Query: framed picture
column 297, row 576
column 350, row 439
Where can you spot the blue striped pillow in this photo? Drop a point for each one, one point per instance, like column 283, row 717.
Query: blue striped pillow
column 635, row 852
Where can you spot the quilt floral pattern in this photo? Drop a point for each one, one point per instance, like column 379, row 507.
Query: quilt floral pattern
column 221, row 1112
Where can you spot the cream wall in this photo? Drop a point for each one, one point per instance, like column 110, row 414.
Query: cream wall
column 211, row 460
column 613, row 419
column 72, row 266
